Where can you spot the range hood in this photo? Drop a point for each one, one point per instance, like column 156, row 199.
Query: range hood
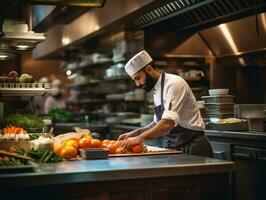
column 191, row 14
column 240, row 42
column 239, row 37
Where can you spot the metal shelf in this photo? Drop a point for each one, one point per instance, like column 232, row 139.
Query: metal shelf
column 90, row 66
column 107, row 79
column 84, row 101
column 23, row 91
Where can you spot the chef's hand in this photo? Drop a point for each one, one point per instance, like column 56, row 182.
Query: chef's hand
column 127, row 135
column 132, row 141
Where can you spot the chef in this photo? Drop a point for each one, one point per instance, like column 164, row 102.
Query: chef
column 177, row 121
column 56, row 98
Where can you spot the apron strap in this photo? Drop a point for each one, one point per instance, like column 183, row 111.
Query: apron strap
column 162, row 89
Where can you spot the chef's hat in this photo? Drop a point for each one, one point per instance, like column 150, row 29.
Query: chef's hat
column 137, row 62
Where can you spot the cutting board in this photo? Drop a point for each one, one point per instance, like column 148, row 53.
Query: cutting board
column 151, row 151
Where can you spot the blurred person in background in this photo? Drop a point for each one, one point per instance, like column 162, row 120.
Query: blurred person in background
column 56, row 97
column 38, row 101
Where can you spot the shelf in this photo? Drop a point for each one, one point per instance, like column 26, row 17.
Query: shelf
column 78, row 85
column 192, row 78
column 116, row 78
column 109, row 79
column 23, row 91
column 91, row 66
column 84, row 101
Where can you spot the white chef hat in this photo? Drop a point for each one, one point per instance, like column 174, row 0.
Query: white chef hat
column 137, row 62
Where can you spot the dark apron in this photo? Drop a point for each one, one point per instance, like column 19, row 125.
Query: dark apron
column 180, row 138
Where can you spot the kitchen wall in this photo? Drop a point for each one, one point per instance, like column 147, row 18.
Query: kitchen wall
column 9, row 65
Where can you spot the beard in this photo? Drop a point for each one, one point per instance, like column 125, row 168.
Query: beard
column 149, row 83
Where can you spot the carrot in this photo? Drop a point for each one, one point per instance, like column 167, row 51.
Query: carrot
column 17, row 130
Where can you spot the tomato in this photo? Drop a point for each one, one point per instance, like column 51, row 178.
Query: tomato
column 112, row 147
column 137, row 149
column 68, row 152
column 85, row 143
column 95, row 143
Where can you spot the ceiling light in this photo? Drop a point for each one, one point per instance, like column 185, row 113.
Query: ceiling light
column 68, row 72
column 6, row 53
column 23, row 46
column 7, row 56
column 3, row 57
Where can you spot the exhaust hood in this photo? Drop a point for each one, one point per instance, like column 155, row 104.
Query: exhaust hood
column 190, row 14
column 22, row 40
column 240, row 42
column 238, row 37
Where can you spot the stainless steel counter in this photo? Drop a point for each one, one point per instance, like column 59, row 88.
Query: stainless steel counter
column 111, row 169
column 261, row 136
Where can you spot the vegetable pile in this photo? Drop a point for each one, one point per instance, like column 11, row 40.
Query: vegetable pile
column 11, row 161
column 14, row 133
column 60, row 115
column 25, row 121
column 41, row 155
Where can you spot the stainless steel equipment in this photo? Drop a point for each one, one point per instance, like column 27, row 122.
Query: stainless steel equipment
column 254, row 113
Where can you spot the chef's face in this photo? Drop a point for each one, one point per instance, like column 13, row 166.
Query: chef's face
column 144, row 80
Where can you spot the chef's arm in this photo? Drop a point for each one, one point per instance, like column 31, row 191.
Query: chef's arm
column 136, row 132
column 145, row 128
column 162, row 127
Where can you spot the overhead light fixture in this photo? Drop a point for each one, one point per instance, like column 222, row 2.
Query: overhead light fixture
column 68, row 72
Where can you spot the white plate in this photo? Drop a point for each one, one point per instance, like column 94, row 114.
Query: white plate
column 214, row 92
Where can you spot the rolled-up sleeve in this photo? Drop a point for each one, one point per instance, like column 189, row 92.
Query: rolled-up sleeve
column 174, row 97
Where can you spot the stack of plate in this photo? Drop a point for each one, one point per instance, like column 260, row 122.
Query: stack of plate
column 219, row 104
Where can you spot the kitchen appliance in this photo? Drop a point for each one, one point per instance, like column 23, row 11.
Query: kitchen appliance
column 250, row 175
column 254, row 113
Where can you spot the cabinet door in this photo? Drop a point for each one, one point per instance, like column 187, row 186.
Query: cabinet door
column 250, row 175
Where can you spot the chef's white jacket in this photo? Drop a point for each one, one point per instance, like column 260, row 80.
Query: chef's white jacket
column 179, row 102
column 52, row 103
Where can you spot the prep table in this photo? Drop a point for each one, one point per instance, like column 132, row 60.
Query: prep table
column 144, row 177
